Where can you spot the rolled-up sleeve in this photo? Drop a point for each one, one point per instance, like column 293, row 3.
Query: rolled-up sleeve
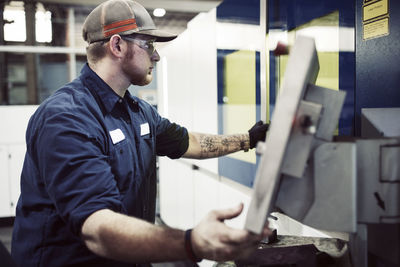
column 172, row 140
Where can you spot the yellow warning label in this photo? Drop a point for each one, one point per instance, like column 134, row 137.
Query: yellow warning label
column 375, row 10
column 376, row 29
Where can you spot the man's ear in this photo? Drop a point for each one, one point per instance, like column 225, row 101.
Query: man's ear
column 116, row 46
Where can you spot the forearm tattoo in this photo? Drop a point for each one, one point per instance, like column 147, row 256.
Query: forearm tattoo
column 219, row 145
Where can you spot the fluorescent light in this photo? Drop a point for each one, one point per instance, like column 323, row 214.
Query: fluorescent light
column 159, row 12
column 43, row 26
column 16, row 31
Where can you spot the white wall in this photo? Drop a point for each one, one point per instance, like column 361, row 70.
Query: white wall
column 13, row 123
column 187, row 84
column 188, row 95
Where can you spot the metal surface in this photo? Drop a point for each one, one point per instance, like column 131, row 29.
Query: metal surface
column 378, row 199
column 359, row 247
column 296, row 196
column 378, row 122
column 389, row 168
column 334, row 205
column 295, row 251
column 301, row 70
column 295, row 255
column 378, row 234
column 325, row 197
column 332, row 103
column 301, row 138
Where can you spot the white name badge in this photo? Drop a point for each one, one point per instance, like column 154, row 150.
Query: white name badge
column 144, row 129
column 117, row 136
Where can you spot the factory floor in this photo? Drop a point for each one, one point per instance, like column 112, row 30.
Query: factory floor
column 5, row 241
column 6, row 231
column 5, row 236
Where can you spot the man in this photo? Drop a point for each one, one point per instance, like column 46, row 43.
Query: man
column 88, row 181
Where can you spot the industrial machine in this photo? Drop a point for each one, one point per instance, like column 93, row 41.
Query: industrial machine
column 308, row 174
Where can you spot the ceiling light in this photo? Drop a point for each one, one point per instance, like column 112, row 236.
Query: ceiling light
column 159, row 12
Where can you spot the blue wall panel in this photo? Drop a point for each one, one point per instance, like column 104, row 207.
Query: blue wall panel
column 239, row 11
column 377, row 65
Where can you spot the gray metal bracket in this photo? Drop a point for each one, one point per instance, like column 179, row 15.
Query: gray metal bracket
column 301, row 139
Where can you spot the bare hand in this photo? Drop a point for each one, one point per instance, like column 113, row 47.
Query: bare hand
column 213, row 239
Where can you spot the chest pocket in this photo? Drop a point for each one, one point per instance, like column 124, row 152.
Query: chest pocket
column 123, row 164
column 148, row 143
column 147, row 148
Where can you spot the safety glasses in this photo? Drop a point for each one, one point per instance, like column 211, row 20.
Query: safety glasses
column 148, row 45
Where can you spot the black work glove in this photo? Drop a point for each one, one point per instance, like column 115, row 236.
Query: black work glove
column 257, row 133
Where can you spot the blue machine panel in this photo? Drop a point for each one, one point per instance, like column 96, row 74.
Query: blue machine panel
column 377, row 65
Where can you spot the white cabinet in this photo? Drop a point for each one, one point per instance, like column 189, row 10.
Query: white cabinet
column 187, row 84
column 176, row 193
column 5, row 199
column 16, row 161
column 13, row 123
column 11, row 161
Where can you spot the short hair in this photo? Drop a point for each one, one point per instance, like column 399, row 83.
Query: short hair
column 96, row 51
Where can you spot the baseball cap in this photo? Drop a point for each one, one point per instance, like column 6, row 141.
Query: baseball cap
column 121, row 17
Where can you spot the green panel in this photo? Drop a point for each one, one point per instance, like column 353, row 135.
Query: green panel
column 240, row 73
column 239, row 109
column 328, row 75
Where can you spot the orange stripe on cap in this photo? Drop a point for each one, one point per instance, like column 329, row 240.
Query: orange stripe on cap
column 113, row 28
column 119, row 23
column 121, row 29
